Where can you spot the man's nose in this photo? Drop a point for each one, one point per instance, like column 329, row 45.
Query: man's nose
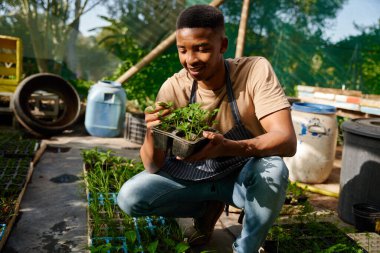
column 191, row 58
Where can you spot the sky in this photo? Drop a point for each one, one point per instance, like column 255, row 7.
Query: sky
column 361, row 12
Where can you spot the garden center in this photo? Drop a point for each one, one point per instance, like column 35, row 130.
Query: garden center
column 77, row 77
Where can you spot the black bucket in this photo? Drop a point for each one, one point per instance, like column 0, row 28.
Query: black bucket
column 367, row 217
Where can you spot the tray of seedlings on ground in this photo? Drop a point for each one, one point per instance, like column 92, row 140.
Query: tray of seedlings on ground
column 13, row 175
column 13, row 144
column 110, row 229
column 16, row 155
column 181, row 131
column 308, row 234
column 296, row 201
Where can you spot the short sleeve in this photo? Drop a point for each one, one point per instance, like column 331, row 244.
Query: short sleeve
column 175, row 89
column 268, row 95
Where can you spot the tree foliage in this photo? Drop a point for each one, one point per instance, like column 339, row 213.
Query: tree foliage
column 289, row 33
column 148, row 22
column 52, row 26
column 137, row 27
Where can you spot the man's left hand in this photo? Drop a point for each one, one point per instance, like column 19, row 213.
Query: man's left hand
column 213, row 149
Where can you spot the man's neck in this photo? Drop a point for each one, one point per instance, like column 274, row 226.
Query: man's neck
column 216, row 82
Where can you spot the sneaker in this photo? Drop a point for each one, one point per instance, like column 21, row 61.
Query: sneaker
column 201, row 233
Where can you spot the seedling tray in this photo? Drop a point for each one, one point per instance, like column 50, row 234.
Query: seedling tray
column 162, row 140
column 176, row 144
column 16, row 198
column 19, row 148
column 319, row 236
column 2, row 230
column 13, row 175
column 184, row 148
column 110, row 244
column 108, row 224
column 101, row 197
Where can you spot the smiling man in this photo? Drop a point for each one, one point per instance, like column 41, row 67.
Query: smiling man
column 242, row 164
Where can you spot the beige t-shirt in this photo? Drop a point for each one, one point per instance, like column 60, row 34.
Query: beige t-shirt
column 256, row 88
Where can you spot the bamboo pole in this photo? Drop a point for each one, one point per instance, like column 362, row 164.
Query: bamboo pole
column 155, row 52
column 242, row 29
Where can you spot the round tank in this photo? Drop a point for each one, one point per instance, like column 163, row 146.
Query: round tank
column 316, row 129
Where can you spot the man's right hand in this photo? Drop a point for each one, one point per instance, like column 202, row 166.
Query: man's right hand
column 154, row 114
column 153, row 159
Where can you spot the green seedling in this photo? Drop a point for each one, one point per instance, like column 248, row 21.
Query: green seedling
column 106, row 173
column 322, row 237
column 191, row 120
column 164, row 105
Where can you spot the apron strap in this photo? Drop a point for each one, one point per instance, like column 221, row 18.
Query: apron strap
column 231, row 97
column 193, row 95
column 230, row 94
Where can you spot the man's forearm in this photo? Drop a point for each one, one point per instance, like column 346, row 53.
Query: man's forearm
column 152, row 158
column 268, row 144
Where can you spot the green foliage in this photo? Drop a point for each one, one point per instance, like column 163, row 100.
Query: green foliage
column 321, row 237
column 103, row 248
column 146, row 83
column 181, row 247
column 192, row 120
column 340, row 121
column 152, row 247
column 289, row 33
column 104, row 176
column 119, row 39
column 295, row 192
column 82, row 87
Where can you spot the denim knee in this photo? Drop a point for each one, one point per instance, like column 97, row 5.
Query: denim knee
column 269, row 169
column 131, row 198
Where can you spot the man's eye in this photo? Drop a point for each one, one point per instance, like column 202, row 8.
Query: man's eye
column 203, row 49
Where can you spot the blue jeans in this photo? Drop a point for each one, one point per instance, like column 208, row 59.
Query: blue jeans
column 259, row 188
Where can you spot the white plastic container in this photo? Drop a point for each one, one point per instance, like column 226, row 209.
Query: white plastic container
column 105, row 110
column 316, row 129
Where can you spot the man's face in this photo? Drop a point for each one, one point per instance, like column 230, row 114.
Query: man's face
column 200, row 51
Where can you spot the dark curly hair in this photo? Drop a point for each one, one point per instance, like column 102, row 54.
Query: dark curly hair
column 201, row 16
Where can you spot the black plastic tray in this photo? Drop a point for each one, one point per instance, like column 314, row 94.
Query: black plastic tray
column 177, row 145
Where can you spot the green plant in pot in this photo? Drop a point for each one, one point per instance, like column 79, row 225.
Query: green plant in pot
column 181, row 131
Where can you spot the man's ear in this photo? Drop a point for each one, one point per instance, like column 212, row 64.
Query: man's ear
column 224, row 45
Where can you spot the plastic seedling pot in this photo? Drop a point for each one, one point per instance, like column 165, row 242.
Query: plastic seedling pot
column 184, row 148
column 163, row 140
column 175, row 142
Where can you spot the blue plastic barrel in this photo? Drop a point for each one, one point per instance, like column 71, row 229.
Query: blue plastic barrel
column 105, row 110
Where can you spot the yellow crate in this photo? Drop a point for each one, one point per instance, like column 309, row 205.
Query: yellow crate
column 10, row 63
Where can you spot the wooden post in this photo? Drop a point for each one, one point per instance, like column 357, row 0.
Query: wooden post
column 242, row 29
column 155, row 52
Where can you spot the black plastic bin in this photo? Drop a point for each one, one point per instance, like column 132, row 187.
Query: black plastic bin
column 367, row 217
column 360, row 171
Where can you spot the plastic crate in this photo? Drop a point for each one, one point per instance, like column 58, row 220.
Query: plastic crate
column 10, row 63
column 135, row 128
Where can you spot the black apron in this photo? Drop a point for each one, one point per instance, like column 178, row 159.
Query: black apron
column 212, row 169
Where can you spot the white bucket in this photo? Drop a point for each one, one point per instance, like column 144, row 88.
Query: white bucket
column 316, row 129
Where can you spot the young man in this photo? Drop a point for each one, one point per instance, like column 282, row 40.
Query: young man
column 242, row 164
